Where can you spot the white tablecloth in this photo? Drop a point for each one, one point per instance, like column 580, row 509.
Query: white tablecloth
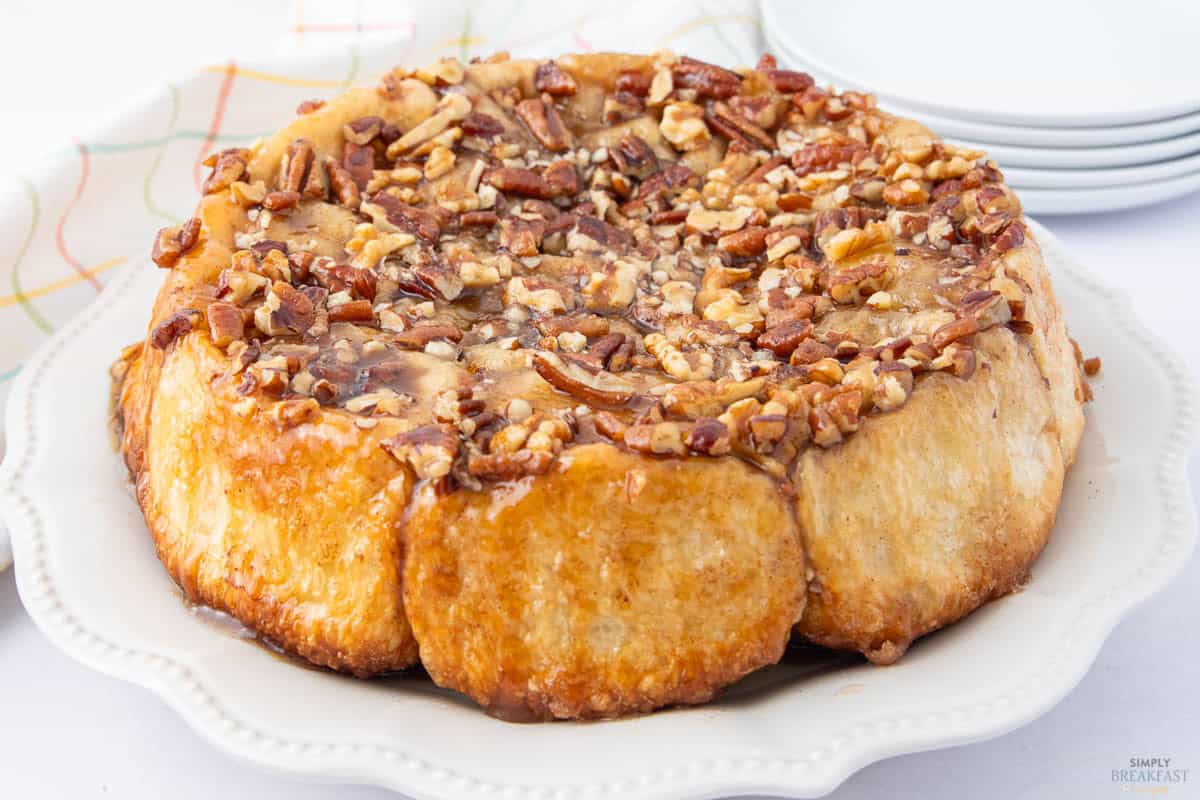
column 66, row 731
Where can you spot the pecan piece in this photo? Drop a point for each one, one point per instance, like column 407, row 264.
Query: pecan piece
column 359, row 161
column 482, row 125
column 281, row 200
column 286, row 310
column 515, row 180
column 634, row 157
column 297, row 162
column 810, row 351
column 363, row 130
column 550, row 78
column 417, row 221
column 953, row 331
column 635, row 83
column 178, row 324
column 344, row 187
column 228, row 166
column 604, row 347
column 352, row 311
column 597, row 389
column 708, row 80
column 1091, row 366
column 521, row 237
column 561, row 178
column 484, row 219
column 545, row 124
column 658, row 438
column 788, row 81
column 416, row 338
column 665, row 183
column 824, row 157
column 736, row 127
column 509, row 466
column 602, row 233
column 709, row 436
column 172, row 243
column 430, row 450
column 1011, row 237
column 783, row 339
column 360, row 283
column 225, row 323
column 748, row 242
column 988, row 308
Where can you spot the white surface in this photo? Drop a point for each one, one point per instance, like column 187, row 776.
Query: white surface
column 70, row 732
column 1125, row 527
column 1030, row 63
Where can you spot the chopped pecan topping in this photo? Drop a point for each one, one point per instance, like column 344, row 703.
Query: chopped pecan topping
column 225, row 323
column 556, row 182
column 509, row 466
column 359, row 162
column 417, row 221
column 363, row 130
column 704, row 262
column 577, row 382
column 430, row 450
column 550, row 78
column 735, row 126
column 749, row 241
column 417, row 338
column 296, row 164
column 545, row 124
column 953, row 331
column 342, row 183
column 789, row 82
column 228, row 166
column 281, row 200
column 286, row 310
column 707, row 79
column 482, row 125
column 709, row 436
column 178, row 324
column 783, row 339
column 172, row 243
column 824, row 157
column 352, row 311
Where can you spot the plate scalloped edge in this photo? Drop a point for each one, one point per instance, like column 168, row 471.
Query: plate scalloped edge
column 813, row 773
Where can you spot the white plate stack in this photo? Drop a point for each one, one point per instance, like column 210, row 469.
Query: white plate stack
column 1085, row 106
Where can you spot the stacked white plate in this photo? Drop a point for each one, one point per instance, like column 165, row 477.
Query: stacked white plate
column 1086, row 106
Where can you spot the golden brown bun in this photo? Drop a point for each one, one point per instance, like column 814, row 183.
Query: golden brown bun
column 615, row 583
column 930, row 511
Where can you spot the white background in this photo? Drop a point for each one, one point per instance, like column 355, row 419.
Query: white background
column 66, row 731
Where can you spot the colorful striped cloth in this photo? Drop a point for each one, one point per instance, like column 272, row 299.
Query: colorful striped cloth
column 65, row 229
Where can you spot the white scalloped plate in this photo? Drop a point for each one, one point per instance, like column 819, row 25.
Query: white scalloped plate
column 88, row 575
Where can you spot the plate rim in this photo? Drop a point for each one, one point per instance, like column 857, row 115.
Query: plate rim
column 810, row 774
column 1052, row 137
column 1108, row 118
column 1083, row 157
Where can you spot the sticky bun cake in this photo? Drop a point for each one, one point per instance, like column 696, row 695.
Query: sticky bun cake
column 588, row 383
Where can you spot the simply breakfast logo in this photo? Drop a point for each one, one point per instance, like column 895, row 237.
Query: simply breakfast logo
column 1150, row 775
